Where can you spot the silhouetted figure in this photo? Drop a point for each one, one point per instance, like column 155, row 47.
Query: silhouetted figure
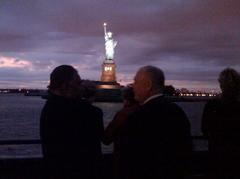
column 157, row 140
column 70, row 128
column 221, row 124
column 113, row 131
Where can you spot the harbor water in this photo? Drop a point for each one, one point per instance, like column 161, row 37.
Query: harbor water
column 19, row 120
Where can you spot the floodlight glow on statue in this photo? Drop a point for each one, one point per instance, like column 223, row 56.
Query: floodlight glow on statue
column 110, row 43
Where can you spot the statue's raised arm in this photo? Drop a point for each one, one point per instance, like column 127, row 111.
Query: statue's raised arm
column 105, row 28
column 110, row 43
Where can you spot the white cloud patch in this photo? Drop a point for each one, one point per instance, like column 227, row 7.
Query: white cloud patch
column 11, row 62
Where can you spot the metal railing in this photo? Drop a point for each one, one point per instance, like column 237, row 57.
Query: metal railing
column 38, row 141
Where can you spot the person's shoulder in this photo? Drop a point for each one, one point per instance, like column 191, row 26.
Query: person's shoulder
column 171, row 108
column 53, row 101
column 213, row 104
column 214, row 101
column 56, row 100
column 154, row 102
column 163, row 103
column 91, row 108
column 231, row 105
column 97, row 109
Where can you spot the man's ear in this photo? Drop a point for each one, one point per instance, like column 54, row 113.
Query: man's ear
column 149, row 85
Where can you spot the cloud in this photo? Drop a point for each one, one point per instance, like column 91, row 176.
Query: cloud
column 191, row 40
column 9, row 62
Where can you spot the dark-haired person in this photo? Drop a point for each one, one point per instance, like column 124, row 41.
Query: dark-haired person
column 70, row 128
column 112, row 133
column 157, row 136
column 221, row 124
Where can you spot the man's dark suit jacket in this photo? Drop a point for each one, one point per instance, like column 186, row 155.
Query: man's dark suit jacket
column 156, row 140
column 71, row 132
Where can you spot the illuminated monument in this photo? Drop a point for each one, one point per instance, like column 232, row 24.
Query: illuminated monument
column 108, row 77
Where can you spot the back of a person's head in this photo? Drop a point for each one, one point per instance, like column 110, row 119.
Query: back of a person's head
column 229, row 80
column 155, row 75
column 62, row 78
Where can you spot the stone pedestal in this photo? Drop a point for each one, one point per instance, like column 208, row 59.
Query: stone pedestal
column 108, row 71
column 108, row 77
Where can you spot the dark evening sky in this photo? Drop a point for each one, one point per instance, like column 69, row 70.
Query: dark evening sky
column 192, row 41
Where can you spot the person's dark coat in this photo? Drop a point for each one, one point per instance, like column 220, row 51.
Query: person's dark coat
column 157, row 141
column 71, row 132
column 112, row 133
column 221, row 124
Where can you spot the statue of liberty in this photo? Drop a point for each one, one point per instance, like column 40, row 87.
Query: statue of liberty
column 110, row 43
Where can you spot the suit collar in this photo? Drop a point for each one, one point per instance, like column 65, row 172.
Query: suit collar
column 152, row 97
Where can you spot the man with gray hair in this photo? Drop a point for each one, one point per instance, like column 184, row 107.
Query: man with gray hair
column 148, row 82
column 157, row 140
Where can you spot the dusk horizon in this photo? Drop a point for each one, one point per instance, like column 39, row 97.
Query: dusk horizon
column 192, row 42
